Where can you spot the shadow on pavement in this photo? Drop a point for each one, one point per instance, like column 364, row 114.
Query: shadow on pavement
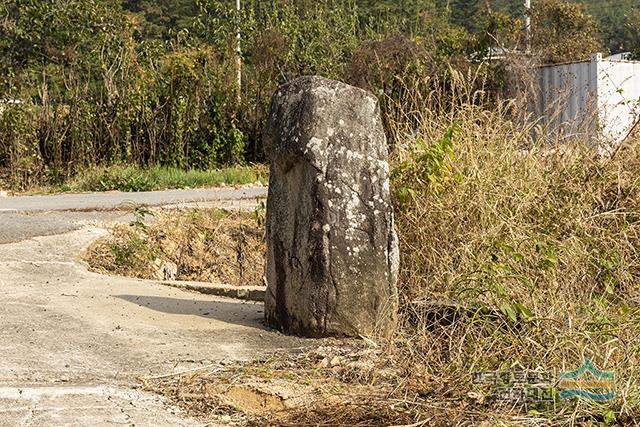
column 239, row 313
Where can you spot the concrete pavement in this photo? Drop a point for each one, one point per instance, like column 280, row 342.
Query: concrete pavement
column 73, row 343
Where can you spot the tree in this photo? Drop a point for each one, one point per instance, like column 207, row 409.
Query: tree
column 36, row 35
column 614, row 18
column 619, row 26
column 563, row 31
column 630, row 39
column 160, row 17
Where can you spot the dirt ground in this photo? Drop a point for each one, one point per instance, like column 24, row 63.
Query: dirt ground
column 204, row 245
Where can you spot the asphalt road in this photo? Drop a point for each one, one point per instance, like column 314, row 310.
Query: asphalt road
column 24, row 217
column 18, row 226
column 119, row 200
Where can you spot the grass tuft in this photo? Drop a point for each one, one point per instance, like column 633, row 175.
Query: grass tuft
column 133, row 178
column 208, row 245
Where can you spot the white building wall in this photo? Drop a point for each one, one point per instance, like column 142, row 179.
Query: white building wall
column 597, row 99
column 618, row 98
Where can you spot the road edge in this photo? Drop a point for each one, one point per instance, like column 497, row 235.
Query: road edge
column 244, row 293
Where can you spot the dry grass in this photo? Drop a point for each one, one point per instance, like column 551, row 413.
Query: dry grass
column 546, row 238
column 344, row 384
column 209, row 245
column 515, row 255
column 531, row 252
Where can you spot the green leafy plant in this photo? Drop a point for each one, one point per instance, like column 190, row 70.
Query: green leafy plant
column 427, row 164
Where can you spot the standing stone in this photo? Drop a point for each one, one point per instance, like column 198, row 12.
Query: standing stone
column 332, row 251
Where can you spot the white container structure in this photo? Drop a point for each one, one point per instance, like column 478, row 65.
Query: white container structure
column 597, row 99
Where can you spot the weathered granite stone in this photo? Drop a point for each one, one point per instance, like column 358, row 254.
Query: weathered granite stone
column 332, row 251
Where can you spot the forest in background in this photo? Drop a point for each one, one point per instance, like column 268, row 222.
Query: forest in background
column 94, row 83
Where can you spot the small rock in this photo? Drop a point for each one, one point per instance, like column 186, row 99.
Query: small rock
column 479, row 397
column 166, row 270
column 324, row 363
column 336, row 361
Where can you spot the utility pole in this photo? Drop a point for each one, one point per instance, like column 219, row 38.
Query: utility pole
column 527, row 25
column 238, row 52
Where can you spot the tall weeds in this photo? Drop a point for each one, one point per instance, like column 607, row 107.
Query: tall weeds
column 96, row 92
column 175, row 103
column 515, row 255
